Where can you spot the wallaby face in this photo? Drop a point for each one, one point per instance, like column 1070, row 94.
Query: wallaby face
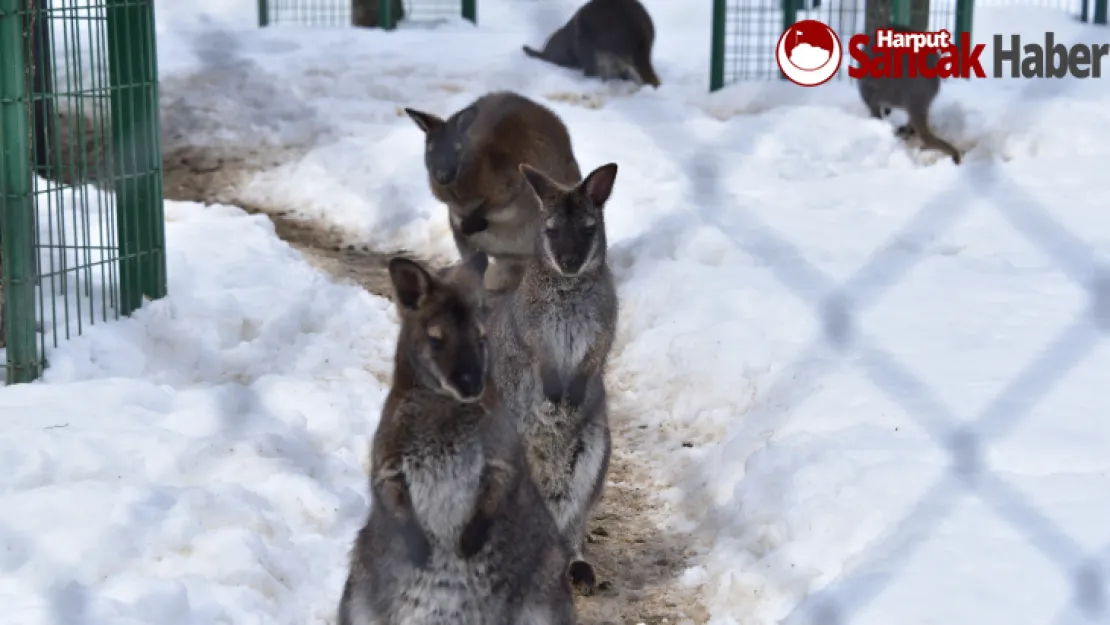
column 442, row 325
column 446, row 143
column 572, row 239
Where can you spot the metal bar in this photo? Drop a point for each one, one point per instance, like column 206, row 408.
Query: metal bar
column 136, row 153
column 964, row 18
column 789, row 18
column 1100, row 12
column 717, row 46
column 16, row 201
column 470, row 10
column 263, row 13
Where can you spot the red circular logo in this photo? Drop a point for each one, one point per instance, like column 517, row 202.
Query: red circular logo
column 809, row 53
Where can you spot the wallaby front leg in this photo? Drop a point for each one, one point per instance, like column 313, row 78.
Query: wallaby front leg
column 393, row 491
column 590, row 366
column 551, row 382
column 496, row 478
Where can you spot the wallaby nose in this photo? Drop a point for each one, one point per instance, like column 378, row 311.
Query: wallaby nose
column 443, row 176
column 469, row 385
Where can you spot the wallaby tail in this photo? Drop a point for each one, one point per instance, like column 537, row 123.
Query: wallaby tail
column 535, row 54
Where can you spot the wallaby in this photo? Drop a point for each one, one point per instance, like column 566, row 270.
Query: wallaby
column 913, row 94
column 554, row 333
column 457, row 532
column 368, row 13
column 608, row 39
column 472, row 159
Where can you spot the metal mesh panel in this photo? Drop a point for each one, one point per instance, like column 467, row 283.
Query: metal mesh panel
column 333, row 13
column 82, row 229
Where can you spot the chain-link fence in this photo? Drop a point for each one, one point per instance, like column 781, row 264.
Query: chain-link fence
column 368, row 13
column 78, row 104
column 838, row 306
column 745, row 31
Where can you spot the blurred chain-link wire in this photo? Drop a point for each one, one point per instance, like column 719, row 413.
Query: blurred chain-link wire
column 838, row 306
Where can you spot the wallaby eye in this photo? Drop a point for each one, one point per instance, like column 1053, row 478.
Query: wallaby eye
column 435, row 337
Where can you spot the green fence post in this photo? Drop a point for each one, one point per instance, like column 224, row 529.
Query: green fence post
column 900, row 12
column 263, row 13
column 789, row 18
column 386, row 19
column 1100, row 12
column 136, row 151
column 17, row 219
column 470, row 10
column 717, row 46
column 964, row 19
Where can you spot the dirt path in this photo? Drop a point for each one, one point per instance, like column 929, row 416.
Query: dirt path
column 637, row 565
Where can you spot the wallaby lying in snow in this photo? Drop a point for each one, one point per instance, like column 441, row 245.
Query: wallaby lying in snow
column 609, row 39
column 554, row 334
column 913, row 94
column 368, row 13
column 458, row 533
column 472, row 160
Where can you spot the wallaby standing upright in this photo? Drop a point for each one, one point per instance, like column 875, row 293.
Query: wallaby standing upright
column 609, row 39
column 554, row 333
column 913, row 94
column 368, row 13
column 458, row 533
column 472, row 160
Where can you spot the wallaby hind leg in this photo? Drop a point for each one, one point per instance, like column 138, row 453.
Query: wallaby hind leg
column 919, row 122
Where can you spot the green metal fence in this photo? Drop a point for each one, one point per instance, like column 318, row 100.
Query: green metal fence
column 81, row 224
column 745, row 32
column 367, row 13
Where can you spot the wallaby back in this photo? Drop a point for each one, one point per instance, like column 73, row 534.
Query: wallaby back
column 472, row 160
column 913, row 94
column 367, row 13
column 457, row 531
column 554, row 333
column 609, row 39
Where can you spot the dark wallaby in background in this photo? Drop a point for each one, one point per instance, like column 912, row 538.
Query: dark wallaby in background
column 913, row 94
column 608, row 39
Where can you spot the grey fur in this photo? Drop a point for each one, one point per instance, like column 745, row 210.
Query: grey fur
column 913, row 94
column 472, row 161
column 458, row 533
column 608, row 39
column 367, row 13
column 553, row 334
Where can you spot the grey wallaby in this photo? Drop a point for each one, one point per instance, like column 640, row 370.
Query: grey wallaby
column 458, row 533
column 608, row 39
column 368, row 13
column 554, row 333
column 472, row 161
column 913, row 94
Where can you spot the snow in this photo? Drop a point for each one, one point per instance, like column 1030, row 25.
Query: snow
column 204, row 460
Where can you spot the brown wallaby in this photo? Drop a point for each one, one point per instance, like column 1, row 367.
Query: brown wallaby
column 913, row 94
column 553, row 334
column 368, row 13
column 458, row 533
column 472, row 160
column 609, row 39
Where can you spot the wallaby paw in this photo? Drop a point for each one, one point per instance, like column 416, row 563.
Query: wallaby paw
column 473, row 224
column 474, row 536
column 582, row 577
column 904, row 132
column 552, row 386
column 576, row 391
column 418, row 548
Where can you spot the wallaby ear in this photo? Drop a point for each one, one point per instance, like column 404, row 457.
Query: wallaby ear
column 464, row 118
column 599, row 184
column 478, row 262
column 540, row 183
column 411, row 282
column 426, row 121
